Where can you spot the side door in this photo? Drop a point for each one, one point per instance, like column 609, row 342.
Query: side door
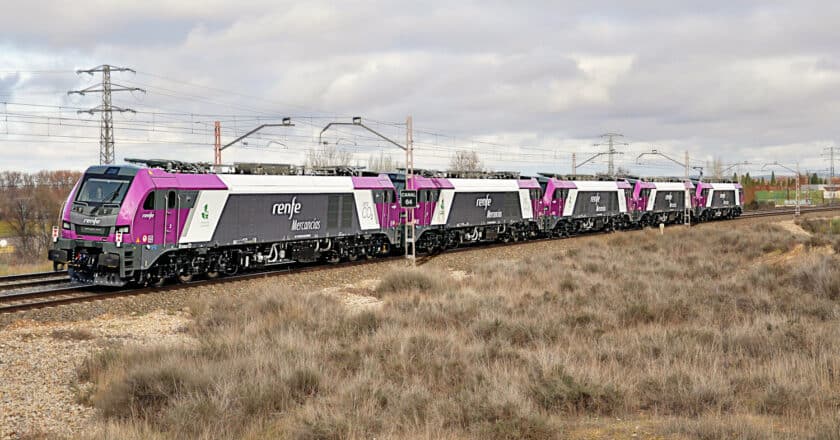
column 393, row 209
column 170, row 216
column 144, row 228
column 427, row 202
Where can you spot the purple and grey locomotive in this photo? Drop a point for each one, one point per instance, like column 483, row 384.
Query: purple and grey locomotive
column 714, row 200
column 575, row 206
column 128, row 224
column 124, row 224
column 452, row 212
column 660, row 202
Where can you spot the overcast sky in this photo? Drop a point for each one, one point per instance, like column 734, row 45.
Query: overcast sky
column 523, row 83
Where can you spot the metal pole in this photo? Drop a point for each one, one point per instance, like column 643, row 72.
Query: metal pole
column 574, row 164
column 798, row 180
column 217, row 146
column 106, row 132
column 106, row 139
column 410, row 228
column 686, row 165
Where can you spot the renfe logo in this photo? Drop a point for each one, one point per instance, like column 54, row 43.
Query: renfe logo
column 92, row 221
column 483, row 202
column 289, row 208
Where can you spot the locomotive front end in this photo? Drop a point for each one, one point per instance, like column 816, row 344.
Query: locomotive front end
column 95, row 227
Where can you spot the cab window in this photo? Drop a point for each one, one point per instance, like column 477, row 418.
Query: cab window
column 149, row 203
column 171, row 200
column 561, row 194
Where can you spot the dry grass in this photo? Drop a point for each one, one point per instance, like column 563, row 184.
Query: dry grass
column 818, row 225
column 8, row 266
column 694, row 328
column 72, row 334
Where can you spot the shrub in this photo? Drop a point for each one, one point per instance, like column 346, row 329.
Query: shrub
column 555, row 390
column 72, row 334
column 411, row 280
column 820, row 276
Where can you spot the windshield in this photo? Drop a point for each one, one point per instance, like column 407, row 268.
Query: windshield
column 101, row 190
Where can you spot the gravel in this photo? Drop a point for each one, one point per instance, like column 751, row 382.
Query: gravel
column 38, row 364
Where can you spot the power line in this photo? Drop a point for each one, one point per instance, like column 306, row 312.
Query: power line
column 831, row 157
column 611, row 152
column 106, row 133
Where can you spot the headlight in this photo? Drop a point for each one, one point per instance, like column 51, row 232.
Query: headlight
column 123, row 229
column 65, row 225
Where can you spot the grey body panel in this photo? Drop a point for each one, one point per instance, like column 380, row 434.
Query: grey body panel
column 483, row 208
column 723, row 199
column 596, row 204
column 669, row 201
column 260, row 218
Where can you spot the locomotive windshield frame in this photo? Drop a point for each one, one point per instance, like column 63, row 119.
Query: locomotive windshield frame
column 99, row 189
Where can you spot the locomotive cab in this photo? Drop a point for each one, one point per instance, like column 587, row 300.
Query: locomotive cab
column 93, row 225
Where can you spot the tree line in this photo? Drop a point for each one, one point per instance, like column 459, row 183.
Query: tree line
column 30, row 205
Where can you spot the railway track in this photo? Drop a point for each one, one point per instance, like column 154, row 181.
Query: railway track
column 786, row 211
column 74, row 293
column 30, row 280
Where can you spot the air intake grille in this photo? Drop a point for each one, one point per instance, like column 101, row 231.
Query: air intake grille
column 92, row 230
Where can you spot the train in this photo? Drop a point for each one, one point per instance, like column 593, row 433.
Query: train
column 146, row 225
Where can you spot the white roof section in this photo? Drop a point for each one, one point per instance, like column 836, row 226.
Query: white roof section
column 485, row 184
column 595, row 185
column 723, row 185
column 670, row 186
column 257, row 184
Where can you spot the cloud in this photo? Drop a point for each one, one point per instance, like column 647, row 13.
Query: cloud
column 731, row 79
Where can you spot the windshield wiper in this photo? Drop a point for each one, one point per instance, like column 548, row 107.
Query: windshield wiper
column 110, row 198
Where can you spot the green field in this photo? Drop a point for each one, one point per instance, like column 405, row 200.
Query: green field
column 779, row 196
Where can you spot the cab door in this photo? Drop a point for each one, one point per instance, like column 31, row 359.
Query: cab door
column 393, row 209
column 170, row 217
column 143, row 230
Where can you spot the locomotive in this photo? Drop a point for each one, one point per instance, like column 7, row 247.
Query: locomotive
column 145, row 225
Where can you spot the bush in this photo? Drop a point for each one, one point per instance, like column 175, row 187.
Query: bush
column 555, row 390
column 411, row 280
column 820, row 276
column 72, row 335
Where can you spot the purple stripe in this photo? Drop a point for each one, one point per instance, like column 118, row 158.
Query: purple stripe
column 420, row 182
column 528, row 183
column 380, row 182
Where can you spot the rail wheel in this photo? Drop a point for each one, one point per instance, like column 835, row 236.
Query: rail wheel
column 157, row 281
column 212, row 274
column 185, row 277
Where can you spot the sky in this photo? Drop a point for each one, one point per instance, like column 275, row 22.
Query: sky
column 524, row 84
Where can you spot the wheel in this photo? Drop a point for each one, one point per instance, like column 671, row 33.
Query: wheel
column 185, row 278
column 213, row 275
column 157, row 281
column 353, row 257
column 231, row 270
